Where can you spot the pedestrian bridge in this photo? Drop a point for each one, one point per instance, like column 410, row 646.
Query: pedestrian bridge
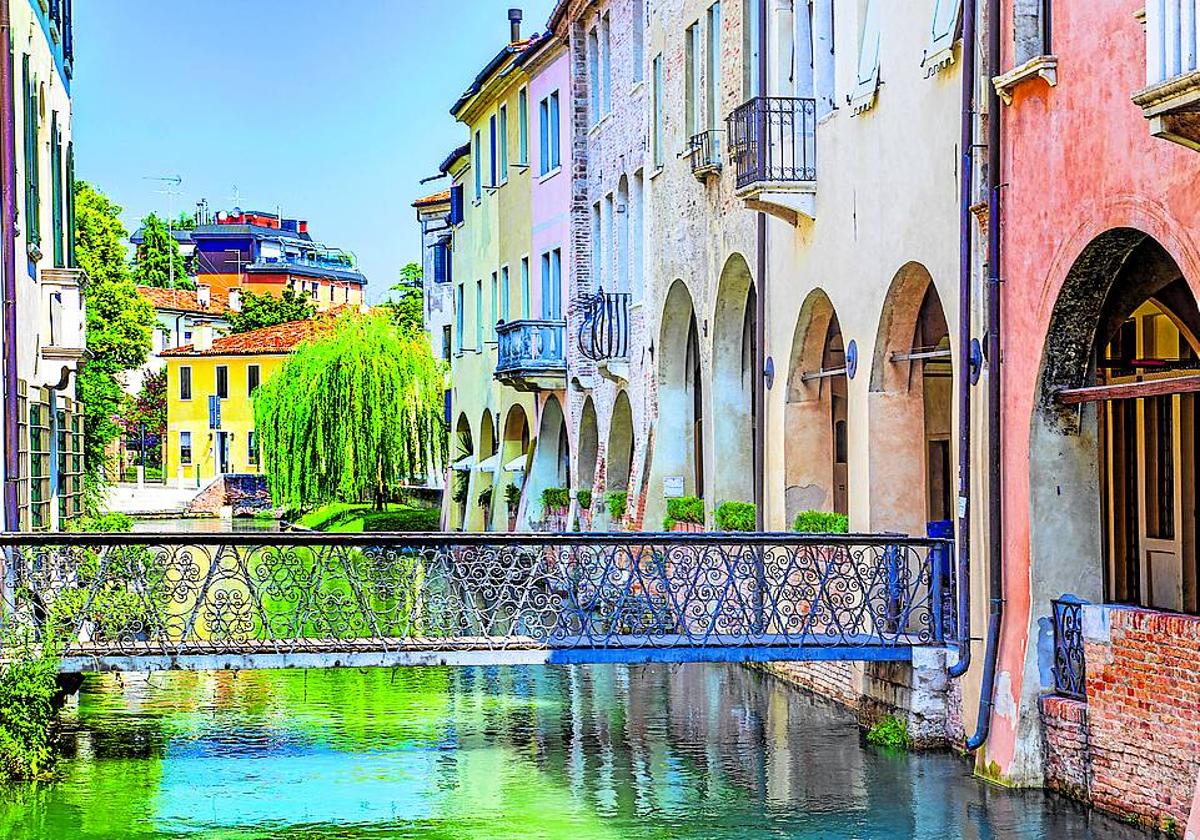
column 142, row 602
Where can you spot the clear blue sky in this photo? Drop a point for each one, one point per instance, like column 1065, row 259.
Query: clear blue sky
column 331, row 111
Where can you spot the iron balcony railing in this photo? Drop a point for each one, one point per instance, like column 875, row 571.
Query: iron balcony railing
column 186, row 600
column 772, row 139
column 528, row 347
column 604, row 333
column 704, row 152
column 1070, row 676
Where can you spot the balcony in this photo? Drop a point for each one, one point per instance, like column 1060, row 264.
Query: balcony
column 531, row 355
column 704, row 152
column 63, row 333
column 1171, row 98
column 773, row 148
column 604, row 333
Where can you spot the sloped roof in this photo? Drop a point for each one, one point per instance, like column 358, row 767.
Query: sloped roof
column 182, row 300
column 437, row 198
column 268, row 341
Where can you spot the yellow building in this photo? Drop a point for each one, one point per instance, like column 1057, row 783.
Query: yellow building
column 210, row 412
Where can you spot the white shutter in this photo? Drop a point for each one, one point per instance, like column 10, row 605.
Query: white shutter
column 947, row 15
column 867, row 78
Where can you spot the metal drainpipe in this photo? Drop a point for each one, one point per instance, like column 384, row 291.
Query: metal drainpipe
column 966, row 190
column 995, row 521
column 8, row 243
column 760, row 314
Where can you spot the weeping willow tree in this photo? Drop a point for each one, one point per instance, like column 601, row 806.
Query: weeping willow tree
column 352, row 414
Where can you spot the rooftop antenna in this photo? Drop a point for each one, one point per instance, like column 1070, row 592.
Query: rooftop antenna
column 170, row 188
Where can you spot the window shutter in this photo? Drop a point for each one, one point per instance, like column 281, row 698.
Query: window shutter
column 944, row 30
column 456, row 204
column 867, row 78
column 214, row 412
column 56, row 191
column 71, row 205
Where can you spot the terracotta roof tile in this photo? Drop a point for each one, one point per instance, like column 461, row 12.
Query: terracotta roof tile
column 268, row 341
column 180, row 300
column 436, row 198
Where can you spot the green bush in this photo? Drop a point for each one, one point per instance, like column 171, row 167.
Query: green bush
column 485, row 498
column 585, row 499
column 889, row 732
column 556, row 498
column 821, row 522
column 28, row 688
column 461, row 484
column 411, row 520
column 684, row 509
column 512, row 496
column 101, row 523
column 735, row 516
column 618, row 503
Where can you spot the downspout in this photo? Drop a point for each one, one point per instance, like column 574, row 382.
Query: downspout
column 965, row 222
column 760, row 313
column 995, row 523
column 8, row 243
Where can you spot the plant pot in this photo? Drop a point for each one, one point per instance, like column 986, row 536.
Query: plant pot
column 687, row 528
column 512, row 522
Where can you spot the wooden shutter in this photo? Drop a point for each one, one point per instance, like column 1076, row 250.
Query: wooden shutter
column 867, row 77
column 944, row 29
column 71, row 204
column 56, row 191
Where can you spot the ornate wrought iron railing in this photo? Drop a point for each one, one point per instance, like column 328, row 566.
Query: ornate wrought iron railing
column 145, row 601
column 772, row 139
column 531, row 347
column 1070, row 676
column 604, row 332
column 704, row 152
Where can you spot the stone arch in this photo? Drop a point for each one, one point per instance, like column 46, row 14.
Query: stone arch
column 462, row 447
column 514, row 447
column 478, row 517
column 551, row 456
column 678, row 446
column 1116, row 479
column 588, row 446
column 732, row 383
column 910, row 405
column 815, row 419
column 619, row 459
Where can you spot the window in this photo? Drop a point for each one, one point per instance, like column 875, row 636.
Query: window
column 492, row 182
column 477, row 165
column 713, row 76
column 185, row 448
column 33, row 206
column 495, row 308
column 459, row 308
column 609, row 220
column 523, row 126
column 597, row 261
column 222, row 381
column 639, row 35
column 441, row 262
column 658, row 116
column 446, row 343
column 751, row 45
column 867, row 76
column 552, row 285
column 504, row 294
column 1031, row 31
column 605, row 65
column 185, row 383
column 944, row 27
column 503, row 143
column 549, row 134
column 636, row 213
column 593, row 59
column 56, row 191
column 525, row 292
column 456, row 205
column 252, row 448
column 478, row 316
column 691, row 76
column 252, row 379
column 824, row 58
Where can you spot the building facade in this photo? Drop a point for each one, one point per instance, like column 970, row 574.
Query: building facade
column 433, row 215
column 43, row 288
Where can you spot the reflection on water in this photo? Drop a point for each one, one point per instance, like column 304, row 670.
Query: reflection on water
column 578, row 752
column 203, row 525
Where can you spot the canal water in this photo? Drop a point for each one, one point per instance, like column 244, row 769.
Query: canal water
column 688, row 751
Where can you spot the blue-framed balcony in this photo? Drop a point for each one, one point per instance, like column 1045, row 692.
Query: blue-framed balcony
column 531, row 354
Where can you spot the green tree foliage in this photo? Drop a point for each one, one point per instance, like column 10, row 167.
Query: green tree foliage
column 120, row 322
column 351, row 415
column 158, row 256
column 27, row 711
column 267, row 310
column 149, row 411
column 735, row 516
column 408, row 303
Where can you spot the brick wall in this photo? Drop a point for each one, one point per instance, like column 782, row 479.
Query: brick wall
column 1133, row 749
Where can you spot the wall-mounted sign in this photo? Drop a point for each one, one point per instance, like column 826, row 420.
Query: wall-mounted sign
column 673, row 486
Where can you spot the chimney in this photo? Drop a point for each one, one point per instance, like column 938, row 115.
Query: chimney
column 514, row 22
column 235, row 299
column 203, row 295
column 202, row 336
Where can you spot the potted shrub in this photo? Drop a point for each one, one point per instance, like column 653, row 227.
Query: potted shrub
column 584, row 497
column 821, row 522
column 556, row 502
column 735, row 516
column 685, row 514
column 512, row 499
column 485, row 503
column 617, row 502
